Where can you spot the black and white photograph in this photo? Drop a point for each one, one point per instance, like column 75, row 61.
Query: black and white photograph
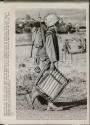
column 51, row 63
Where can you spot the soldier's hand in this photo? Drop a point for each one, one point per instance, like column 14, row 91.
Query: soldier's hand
column 52, row 67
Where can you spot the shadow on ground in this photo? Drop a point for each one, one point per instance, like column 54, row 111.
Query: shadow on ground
column 69, row 105
column 42, row 104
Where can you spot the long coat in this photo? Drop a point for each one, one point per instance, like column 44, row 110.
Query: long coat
column 52, row 47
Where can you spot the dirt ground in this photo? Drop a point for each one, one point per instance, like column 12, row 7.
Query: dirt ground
column 73, row 99
column 75, row 113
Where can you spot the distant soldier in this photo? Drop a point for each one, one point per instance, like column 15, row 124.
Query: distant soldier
column 37, row 41
column 41, row 53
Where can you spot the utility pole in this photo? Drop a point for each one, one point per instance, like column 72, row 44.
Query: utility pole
column 39, row 17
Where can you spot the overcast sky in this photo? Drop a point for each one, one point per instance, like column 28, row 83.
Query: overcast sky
column 43, row 12
column 74, row 15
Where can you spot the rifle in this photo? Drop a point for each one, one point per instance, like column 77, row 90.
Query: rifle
column 42, row 30
column 32, row 49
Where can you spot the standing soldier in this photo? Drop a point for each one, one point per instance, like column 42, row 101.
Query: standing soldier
column 33, row 38
column 42, row 49
column 37, row 41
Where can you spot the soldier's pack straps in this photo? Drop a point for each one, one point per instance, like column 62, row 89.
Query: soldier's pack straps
column 50, row 32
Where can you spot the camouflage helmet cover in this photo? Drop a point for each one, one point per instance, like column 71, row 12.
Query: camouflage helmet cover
column 51, row 19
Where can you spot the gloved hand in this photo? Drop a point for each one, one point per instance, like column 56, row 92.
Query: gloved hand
column 52, row 67
column 37, row 60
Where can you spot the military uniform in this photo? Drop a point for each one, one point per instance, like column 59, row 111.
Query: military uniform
column 52, row 47
column 37, row 42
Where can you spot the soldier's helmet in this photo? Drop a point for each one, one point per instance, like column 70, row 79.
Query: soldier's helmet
column 51, row 19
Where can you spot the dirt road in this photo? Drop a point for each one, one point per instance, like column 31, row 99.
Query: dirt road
column 73, row 113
